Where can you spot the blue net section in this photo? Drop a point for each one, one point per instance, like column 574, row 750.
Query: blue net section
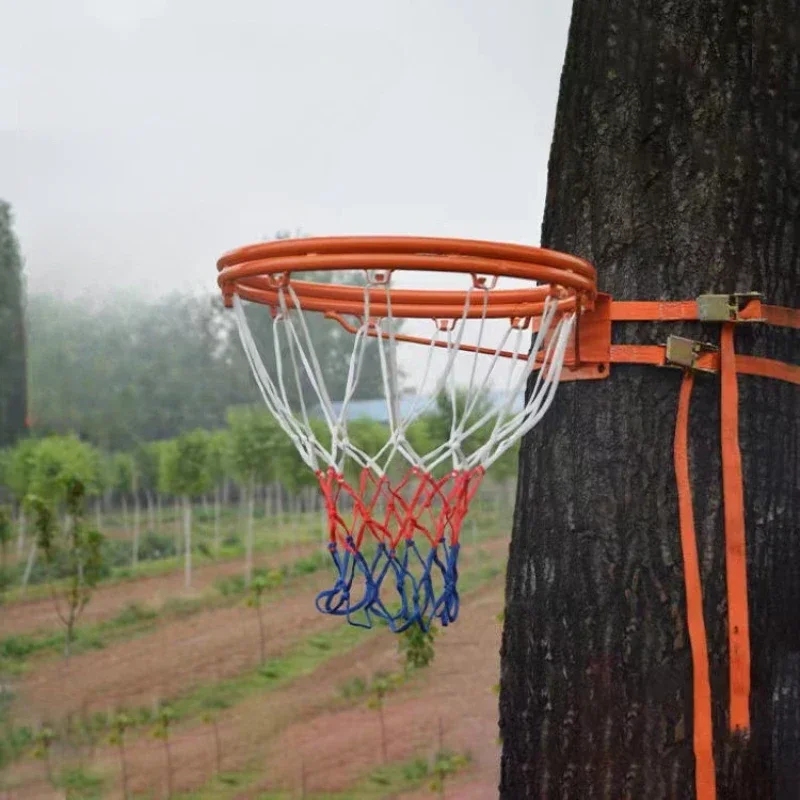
column 395, row 548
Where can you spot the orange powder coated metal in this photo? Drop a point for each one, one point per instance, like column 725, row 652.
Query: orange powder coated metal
column 259, row 272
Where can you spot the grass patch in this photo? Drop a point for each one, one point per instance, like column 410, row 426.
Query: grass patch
column 385, row 781
column 79, row 783
column 391, row 779
column 15, row 650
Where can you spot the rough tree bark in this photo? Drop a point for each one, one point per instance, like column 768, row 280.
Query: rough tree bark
column 675, row 169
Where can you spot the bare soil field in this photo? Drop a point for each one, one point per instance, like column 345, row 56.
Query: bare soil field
column 303, row 727
column 149, row 591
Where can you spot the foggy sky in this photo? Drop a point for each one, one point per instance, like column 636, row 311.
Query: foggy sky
column 141, row 138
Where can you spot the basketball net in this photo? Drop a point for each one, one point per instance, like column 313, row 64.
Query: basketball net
column 394, row 531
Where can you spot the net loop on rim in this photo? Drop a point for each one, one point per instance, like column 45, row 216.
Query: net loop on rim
column 394, row 514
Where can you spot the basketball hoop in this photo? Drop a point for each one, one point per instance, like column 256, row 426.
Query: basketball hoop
column 394, row 530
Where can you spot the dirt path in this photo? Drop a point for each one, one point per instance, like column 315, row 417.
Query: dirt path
column 151, row 591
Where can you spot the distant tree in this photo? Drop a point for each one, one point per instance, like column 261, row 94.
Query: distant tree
column 256, row 442
column 17, row 477
column 367, row 435
column 211, row 718
column 13, row 365
column 127, row 370
column 122, row 482
column 458, row 413
column 162, row 731
column 259, row 585
column 147, row 461
column 5, row 540
column 381, row 686
column 219, row 459
column 185, row 466
column 73, row 555
column 119, row 727
column 57, row 462
column 43, row 744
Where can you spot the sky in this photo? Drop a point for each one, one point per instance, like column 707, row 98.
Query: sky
column 140, row 139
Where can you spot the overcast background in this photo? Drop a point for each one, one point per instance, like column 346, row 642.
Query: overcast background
column 141, row 138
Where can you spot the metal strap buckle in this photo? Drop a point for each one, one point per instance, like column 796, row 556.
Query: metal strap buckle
column 684, row 353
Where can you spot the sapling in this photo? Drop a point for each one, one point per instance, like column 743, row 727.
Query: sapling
column 259, row 585
column 43, row 743
column 76, row 551
column 162, row 731
column 119, row 725
column 381, row 686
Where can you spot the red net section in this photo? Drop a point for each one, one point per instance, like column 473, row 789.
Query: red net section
column 395, row 545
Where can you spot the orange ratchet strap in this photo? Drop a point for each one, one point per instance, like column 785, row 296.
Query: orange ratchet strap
column 705, row 775
column 593, row 353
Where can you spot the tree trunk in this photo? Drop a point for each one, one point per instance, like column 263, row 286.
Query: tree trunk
column 136, row 528
column 123, row 767
column 384, row 748
column 98, row 513
column 187, row 542
column 216, row 520
column 217, row 745
column 179, row 528
column 29, row 565
column 159, row 515
column 21, row 526
column 124, row 501
column 168, row 754
column 675, row 170
column 151, row 511
column 248, row 557
column 279, row 502
column 261, row 638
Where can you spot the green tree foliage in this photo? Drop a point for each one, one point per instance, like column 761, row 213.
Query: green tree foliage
column 185, row 464
column 258, row 446
column 5, row 540
column 58, row 462
column 185, row 469
column 13, row 379
column 73, row 553
column 219, row 462
column 130, row 370
column 449, row 414
column 18, row 468
column 147, row 462
column 416, row 647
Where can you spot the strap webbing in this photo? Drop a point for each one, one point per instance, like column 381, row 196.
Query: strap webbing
column 729, row 365
column 705, row 776
column 735, row 551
